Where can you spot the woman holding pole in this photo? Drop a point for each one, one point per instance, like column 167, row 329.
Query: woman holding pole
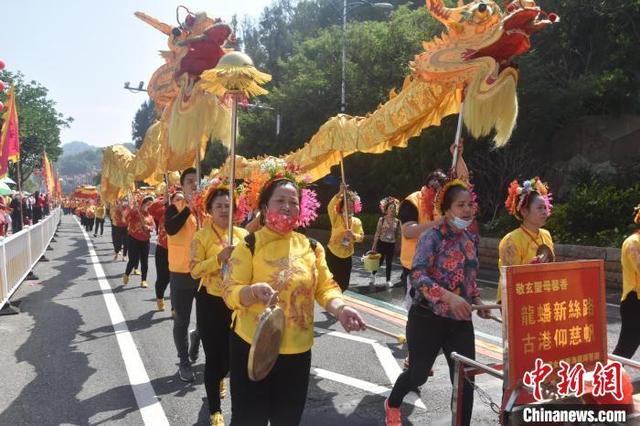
column 443, row 276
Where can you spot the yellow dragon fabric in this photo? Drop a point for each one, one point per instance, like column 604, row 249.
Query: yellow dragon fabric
column 471, row 60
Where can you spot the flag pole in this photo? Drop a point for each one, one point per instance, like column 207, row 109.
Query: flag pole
column 19, row 174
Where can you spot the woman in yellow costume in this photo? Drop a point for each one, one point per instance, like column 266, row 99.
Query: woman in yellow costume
column 629, row 339
column 345, row 231
column 276, row 259
column 210, row 251
column 530, row 203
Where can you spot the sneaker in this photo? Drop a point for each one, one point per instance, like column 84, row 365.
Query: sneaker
column 160, row 304
column 144, row 284
column 392, row 415
column 136, row 271
column 115, row 256
column 194, row 345
column 223, row 389
column 125, row 279
column 186, row 373
column 123, row 258
column 389, row 284
column 217, row 419
column 95, row 236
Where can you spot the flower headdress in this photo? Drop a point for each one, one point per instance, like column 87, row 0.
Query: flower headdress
column 428, row 192
column 352, row 198
column 442, row 192
column 636, row 214
column 272, row 170
column 519, row 195
column 386, row 202
column 203, row 198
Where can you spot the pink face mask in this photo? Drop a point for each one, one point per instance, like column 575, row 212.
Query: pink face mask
column 281, row 223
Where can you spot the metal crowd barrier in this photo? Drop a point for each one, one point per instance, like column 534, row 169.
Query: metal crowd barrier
column 20, row 252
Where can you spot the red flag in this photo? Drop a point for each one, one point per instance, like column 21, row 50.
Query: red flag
column 10, row 135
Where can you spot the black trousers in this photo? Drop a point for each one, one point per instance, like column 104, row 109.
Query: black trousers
column 119, row 239
column 183, row 291
column 88, row 224
column 37, row 214
column 340, row 268
column 16, row 224
column 629, row 338
column 100, row 223
column 279, row 398
column 162, row 271
column 214, row 320
column 138, row 252
column 404, row 277
column 427, row 334
column 387, row 250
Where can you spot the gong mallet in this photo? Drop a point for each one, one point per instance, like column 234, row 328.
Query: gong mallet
column 400, row 338
column 488, row 307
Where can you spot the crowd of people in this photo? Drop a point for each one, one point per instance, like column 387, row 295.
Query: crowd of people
column 20, row 210
column 232, row 278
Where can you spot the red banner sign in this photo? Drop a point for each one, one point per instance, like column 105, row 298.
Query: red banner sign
column 555, row 312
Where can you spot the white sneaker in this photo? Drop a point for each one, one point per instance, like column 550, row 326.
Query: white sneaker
column 389, row 285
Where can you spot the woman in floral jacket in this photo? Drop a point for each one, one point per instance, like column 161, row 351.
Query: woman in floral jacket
column 443, row 282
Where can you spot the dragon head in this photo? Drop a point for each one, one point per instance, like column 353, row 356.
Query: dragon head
column 476, row 55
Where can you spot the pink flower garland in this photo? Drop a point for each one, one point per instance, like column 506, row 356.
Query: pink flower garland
column 309, row 206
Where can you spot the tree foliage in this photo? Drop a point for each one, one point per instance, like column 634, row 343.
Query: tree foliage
column 586, row 64
column 144, row 118
column 40, row 123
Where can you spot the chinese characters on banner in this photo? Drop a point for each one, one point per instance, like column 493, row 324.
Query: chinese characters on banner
column 554, row 312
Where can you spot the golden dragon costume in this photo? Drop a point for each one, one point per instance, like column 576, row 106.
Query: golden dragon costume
column 189, row 116
column 470, row 61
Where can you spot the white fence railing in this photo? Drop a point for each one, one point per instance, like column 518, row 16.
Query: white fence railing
column 20, row 252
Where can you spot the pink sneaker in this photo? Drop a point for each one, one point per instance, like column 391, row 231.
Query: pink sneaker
column 392, row 415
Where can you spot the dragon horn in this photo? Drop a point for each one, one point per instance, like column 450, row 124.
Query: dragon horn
column 444, row 14
column 160, row 26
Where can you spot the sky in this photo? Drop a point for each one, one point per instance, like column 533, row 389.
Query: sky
column 84, row 50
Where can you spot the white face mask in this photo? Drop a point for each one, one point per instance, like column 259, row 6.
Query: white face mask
column 461, row 223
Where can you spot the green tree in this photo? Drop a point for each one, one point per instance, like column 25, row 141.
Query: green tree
column 586, row 64
column 40, row 123
column 144, row 118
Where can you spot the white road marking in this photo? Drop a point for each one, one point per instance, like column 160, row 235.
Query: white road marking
column 388, row 361
column 344, row 336
column 386, row 358
column 364, row 385
column 149, row 405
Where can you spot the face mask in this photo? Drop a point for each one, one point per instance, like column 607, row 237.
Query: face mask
column 460, row 223
column 281, row 223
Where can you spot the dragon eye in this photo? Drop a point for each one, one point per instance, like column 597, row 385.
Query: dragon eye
column 482, row 7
